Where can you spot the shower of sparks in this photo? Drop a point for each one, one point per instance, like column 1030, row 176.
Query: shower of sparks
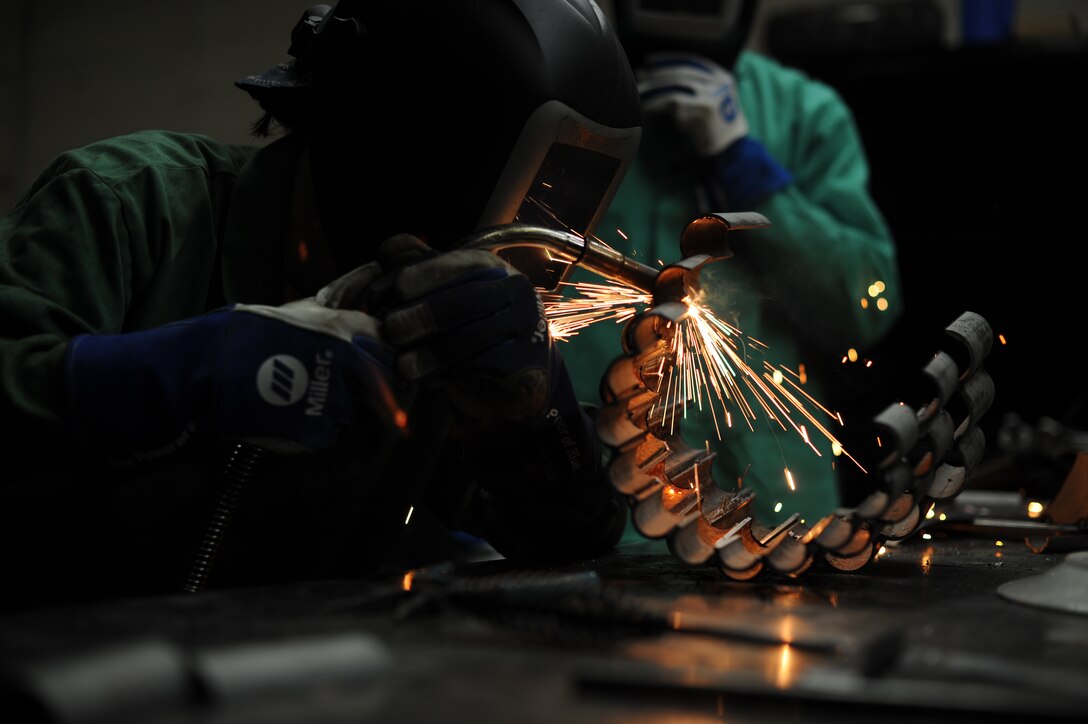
column 708, row 358
column 712, row 361
column 712, row 366
column 595, row 303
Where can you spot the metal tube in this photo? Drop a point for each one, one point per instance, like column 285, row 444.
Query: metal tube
column 569, row 247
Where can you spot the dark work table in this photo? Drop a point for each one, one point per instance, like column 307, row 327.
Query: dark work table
column 920, row 633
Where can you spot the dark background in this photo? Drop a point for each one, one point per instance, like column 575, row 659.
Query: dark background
column 977, row 155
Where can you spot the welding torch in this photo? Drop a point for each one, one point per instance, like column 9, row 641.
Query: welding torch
column 703, row 240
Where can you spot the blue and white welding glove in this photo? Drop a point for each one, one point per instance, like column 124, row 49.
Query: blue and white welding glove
column 701, row 98
column 286, row 378
column 471, row 324
column 698, row 94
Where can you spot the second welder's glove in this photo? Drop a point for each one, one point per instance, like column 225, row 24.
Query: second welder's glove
column 701, row 98
column 698, row 94
column 287, row 378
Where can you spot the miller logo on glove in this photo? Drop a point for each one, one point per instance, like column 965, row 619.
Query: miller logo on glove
column 286, row 378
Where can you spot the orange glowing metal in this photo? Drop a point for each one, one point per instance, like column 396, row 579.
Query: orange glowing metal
column 1001, row 338
column 303, row 251
column 406, row 582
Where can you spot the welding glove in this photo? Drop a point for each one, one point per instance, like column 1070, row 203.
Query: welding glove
column 701, row 98
column 698, row 94
column 286, row 378
column 471, row 324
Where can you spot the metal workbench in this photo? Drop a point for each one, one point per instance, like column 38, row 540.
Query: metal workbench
column 920, row 634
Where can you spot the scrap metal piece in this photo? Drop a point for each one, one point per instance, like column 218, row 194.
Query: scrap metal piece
column 723, row 513
column 972, row 400
column 969, row 339
column 1061, row 588
column 899, row 426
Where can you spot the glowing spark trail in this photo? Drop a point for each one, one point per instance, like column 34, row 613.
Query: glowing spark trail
column 708, row 358
column 597, row 303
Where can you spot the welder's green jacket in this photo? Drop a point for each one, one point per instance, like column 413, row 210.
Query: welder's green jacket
column 129, row 234
column 796, row 286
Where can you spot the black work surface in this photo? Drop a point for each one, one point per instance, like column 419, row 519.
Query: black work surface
column 920, row 634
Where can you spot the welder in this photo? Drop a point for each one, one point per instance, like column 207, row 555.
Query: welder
column 167, row 297
column 727, row 129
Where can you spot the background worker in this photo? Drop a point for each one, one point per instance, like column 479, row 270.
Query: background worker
column 727, row 130
column 166, row 296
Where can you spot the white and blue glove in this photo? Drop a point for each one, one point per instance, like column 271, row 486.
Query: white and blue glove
column 698, row 94
column 701, row 99
column 286, row 378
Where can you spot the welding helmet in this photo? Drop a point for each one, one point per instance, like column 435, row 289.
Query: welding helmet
column 715, row 29
column 438, row 118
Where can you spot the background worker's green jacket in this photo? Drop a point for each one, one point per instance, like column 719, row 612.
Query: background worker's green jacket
column 796, row 286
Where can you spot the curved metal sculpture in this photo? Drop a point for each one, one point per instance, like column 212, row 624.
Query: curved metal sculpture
column 933, row 438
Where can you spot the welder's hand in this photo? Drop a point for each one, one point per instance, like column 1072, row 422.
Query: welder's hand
column 287, row 378
column 473, row 325
column 699, row 95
